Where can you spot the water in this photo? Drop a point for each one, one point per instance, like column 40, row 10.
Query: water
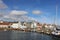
column 18, row 35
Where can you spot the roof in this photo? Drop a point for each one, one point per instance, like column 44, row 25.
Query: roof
column 5, row 23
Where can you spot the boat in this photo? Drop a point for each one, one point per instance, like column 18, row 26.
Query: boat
column 56, row 33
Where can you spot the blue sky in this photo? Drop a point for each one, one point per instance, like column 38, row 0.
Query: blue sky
column 46, row 9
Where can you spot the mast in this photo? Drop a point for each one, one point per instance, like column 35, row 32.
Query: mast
column 56, row 13
column 56, row 16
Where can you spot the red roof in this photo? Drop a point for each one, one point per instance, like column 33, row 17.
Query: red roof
column 5, row 23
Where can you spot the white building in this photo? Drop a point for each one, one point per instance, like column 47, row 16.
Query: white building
column 34, row 25
column 14, row 25
column 23, row 26
column 18, row 25
column 51, row 27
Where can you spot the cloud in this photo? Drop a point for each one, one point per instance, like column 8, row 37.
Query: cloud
column 18, row 16
column 15, row 12
column 9, row 18
column 21, row 18
column 3, row 5
column 1, row 15
column 6, row 16
column 28, row 18
column 36, row 12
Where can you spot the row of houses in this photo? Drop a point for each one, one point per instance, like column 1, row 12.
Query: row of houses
column 22, row 25
column 4, row 24
column 26, row 25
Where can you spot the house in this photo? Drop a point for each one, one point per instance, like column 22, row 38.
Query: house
column 4, row 24
column 15, row 25
column 39, row 26
column 50, row 27
column 23, row 25
column 33, row 25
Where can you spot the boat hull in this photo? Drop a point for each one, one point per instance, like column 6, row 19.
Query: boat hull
column 56, row 35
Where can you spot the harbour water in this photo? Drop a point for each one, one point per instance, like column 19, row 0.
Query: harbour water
column 19, row 35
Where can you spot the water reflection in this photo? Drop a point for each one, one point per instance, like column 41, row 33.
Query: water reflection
column 18, row 35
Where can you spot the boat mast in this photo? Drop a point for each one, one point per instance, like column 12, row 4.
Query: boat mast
column 56, row 13
column 56, row 16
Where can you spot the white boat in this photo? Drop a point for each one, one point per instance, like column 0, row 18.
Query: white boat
column 56, row 33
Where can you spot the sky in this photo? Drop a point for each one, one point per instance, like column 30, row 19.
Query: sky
column 43, row 11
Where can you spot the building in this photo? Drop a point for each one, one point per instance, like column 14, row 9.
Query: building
column 39, row 26
column 4, row 24
column 23, row 25
column 15, row 25
column 33, row 24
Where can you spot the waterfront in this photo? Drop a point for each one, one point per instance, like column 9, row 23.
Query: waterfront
column 19, row 35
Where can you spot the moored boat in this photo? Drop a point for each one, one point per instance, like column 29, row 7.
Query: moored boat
column 56, row 33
